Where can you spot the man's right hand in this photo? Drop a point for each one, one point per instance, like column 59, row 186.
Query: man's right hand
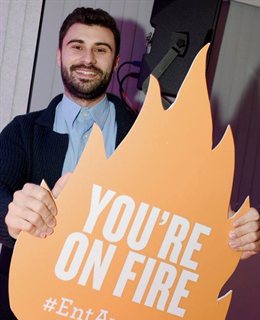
column 33, row 210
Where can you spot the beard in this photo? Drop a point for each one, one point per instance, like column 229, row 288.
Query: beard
column 87, row 89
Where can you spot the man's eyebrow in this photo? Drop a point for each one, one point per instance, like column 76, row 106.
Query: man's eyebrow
column 74, row 41
column 96, row 43
column 104, row 44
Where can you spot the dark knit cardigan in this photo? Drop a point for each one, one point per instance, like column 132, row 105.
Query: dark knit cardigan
column 31, row 151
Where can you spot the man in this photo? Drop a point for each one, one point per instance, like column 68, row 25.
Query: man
column 47, row 144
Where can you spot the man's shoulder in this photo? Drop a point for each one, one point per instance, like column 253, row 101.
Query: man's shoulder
column 125, row 117
column 22, row 121
column 122, row 109
column 41, row 117
column 28, row 117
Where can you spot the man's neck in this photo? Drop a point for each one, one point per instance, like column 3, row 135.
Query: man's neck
column 83, row 102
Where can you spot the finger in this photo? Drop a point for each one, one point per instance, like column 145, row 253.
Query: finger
column 249, row 242
column 40, row 215
column 251, row 215
column 251, row 226
column 60, row 184
column 26, row 220
column 41, row 194
column 248, row 254
column 24, row 205
column 16, row 225
column 250, row 238
column 14, row 232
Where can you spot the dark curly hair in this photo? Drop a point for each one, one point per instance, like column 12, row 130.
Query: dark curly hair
column 90, row 16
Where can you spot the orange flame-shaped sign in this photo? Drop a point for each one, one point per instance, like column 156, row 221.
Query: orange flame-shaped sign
column 143, row 234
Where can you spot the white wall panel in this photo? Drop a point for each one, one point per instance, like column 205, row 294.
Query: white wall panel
column 4, row 10
column 19, row 28
column 132, row 17
column 251, row 2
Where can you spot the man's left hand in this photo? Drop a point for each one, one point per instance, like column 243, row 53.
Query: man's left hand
column 246, row 234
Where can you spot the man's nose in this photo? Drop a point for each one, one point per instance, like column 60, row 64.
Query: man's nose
column 89, row 56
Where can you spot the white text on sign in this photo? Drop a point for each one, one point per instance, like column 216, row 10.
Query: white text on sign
column 124, row 220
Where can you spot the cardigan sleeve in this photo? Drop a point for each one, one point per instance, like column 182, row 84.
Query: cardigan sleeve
column 12, row 172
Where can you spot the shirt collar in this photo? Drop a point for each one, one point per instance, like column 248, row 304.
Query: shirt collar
column 72, row 110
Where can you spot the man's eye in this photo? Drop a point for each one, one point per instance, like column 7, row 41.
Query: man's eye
column 100, row 50
column 77, row 47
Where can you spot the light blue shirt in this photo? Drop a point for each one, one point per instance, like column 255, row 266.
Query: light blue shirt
column 78, row 121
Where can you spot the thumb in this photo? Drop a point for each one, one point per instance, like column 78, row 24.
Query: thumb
column 60, row 184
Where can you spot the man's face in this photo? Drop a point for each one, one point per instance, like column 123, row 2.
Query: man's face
column 87, row 60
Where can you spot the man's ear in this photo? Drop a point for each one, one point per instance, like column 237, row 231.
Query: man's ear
column 58, row 57
column 116, row 62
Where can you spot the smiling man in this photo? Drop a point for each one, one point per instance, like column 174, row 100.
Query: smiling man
column 48, row 144
column 87, row 57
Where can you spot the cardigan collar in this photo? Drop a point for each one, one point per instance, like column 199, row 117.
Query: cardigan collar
column 124, row 117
